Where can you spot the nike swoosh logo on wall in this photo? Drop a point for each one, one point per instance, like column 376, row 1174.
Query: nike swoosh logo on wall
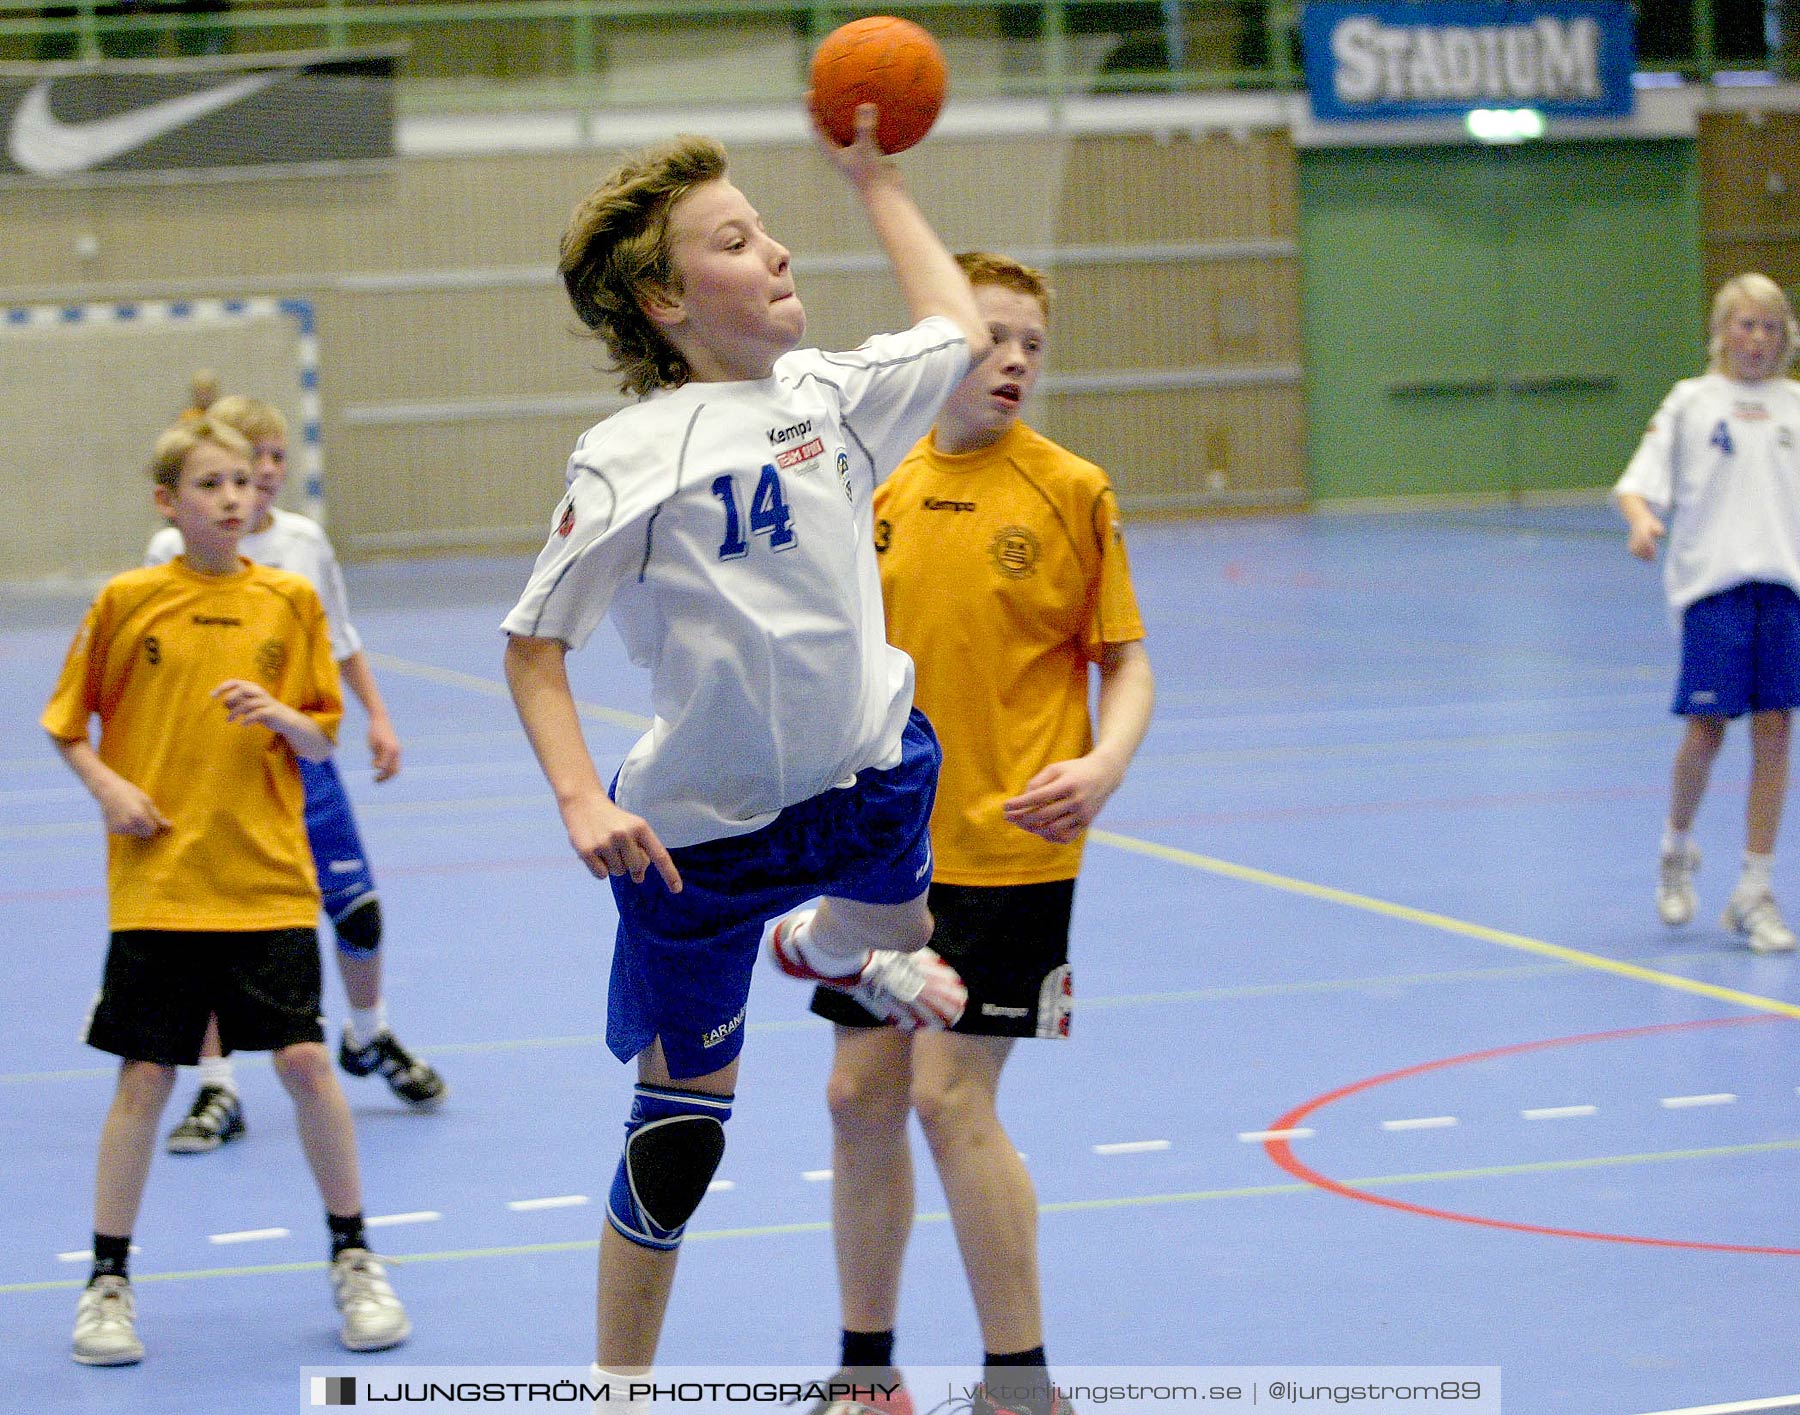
column 41, row 143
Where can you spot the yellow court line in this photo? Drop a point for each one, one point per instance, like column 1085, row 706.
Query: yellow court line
column 1368, row 904
column 1067, row 1206
column 1250, row 875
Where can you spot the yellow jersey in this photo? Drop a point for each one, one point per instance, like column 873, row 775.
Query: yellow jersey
column 1004, row 575
column 154, row 644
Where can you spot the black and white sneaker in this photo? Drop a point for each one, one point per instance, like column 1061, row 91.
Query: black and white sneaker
column 415, row 1082
column 215, row 1118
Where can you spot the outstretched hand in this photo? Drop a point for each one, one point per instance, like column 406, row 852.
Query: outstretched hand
column 612, row 841
column 1646, row 532
column 1062, row 800
column 863, row 160
column 248, row 703
column 128, row 810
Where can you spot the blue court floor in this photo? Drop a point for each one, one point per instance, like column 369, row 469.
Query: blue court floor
column 1380, row 1056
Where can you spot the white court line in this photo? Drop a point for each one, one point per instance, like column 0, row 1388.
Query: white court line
column 247, row 1235
column 86, row 1255
column 1740, row 1407
column 1422, row 1122
column 560, row 1201
column 719, row 1186
column 1559, row 1112
column 394, row 1220
column 1256, row 1137
column 1686, row 1102
column 1131, row 1147
column 815, row 1176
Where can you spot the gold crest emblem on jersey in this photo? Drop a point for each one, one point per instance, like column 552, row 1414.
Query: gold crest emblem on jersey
column 1015, row 552
column 271, row 658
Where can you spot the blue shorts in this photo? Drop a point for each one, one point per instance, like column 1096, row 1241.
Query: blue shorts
column 682, row 964
column 1740, row 652
column 345, row 880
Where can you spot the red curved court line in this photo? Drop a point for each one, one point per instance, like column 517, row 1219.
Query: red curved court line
column 1282, row 1153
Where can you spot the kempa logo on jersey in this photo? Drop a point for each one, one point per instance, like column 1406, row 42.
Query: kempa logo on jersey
column 781, row 435
column 220, row 620
column 940, row 503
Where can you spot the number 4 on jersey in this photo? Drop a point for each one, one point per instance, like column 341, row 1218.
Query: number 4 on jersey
column 769, row 514
column 1721, row 438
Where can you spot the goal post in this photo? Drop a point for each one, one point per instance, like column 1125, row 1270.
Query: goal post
column 89, row 387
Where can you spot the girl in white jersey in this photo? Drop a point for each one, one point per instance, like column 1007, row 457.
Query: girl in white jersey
column 724, row 523
column 1718, row 472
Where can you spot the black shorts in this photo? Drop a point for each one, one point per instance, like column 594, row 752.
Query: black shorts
column 160, row 986
column 1010, row 942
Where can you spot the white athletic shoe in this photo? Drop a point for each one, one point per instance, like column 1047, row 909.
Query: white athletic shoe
column 911, row 990
column 1759, row 921
column 1675, row 898
column 106, row 1325
column 373, row 1317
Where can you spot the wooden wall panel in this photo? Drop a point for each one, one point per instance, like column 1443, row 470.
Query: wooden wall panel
column 1170, row 314
column 1213, row 188
column 437, row 306
column 1750, row 195
column 1162, row 449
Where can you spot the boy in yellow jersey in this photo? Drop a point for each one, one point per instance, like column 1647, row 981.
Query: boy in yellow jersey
column 1005, row 577
column 212, row 678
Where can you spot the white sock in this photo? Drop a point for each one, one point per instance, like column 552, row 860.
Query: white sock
column 1758, row 876
column 1674, row 841
column 368, row 1023
column 800, row 939
column 216, row 1071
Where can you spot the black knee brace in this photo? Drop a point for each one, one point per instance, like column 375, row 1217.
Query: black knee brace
column 359, row 931
column 673, row 1143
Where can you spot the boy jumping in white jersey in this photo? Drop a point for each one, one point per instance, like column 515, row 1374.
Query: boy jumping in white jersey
column 724, row 523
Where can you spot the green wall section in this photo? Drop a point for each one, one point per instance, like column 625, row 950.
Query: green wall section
column 1493, row 320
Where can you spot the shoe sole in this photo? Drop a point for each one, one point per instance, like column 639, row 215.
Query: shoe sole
column 1729, row 920
column 376, row 1343
column 124, row 1358
column 186, row 1146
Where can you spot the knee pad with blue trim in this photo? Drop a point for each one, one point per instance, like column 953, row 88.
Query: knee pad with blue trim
column 359, row 930
column 673, row 1143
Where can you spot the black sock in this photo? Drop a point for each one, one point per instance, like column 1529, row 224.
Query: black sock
column 1019, row 1381
column 346, row 1233
column 112, row 1256
column 868, row 1348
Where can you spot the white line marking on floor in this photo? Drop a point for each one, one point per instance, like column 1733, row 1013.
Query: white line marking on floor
column 719, row 1186
column 1256, row 1137
column 1741, row 1407
column 815, row 1176
column 1559, row 1112
column 1131, row 1147
column 1686, row 1102
column 394, row 1220
column 86, row 1255
column 560, row 1201
column 248, row 1235
column 1421, row 1122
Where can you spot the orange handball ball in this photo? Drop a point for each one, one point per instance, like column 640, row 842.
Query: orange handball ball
column 890, row 62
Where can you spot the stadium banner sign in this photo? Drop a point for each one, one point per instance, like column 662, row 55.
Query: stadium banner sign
column 178, row 119
column 1443, row 58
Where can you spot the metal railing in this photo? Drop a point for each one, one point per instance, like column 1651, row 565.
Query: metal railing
column 462, row 52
